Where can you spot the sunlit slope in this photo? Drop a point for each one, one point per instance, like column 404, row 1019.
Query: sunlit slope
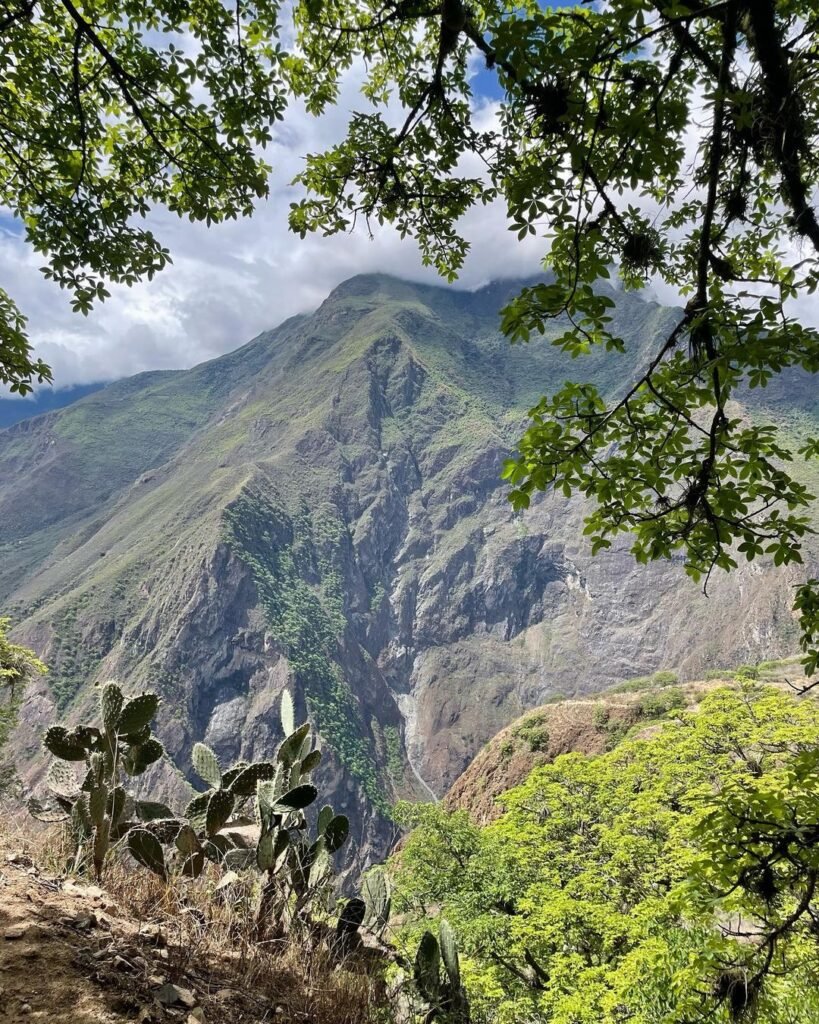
column 322, row 508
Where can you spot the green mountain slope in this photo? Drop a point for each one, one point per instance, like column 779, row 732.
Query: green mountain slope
column 322, row 508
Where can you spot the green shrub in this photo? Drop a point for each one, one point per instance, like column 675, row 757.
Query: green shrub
column 658, row 705
column 532, row 730
column 601, row 716
column 632, row 685
column 665, row 678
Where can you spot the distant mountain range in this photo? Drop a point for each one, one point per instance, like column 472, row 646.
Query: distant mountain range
column 14, row 409
column 322, row 509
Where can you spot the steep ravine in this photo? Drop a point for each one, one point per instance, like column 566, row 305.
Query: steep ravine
column 332, row 520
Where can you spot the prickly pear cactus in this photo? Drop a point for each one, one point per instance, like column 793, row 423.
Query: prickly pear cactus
column 286, row 713
column 124, row 745
column 443, row 993
column 137, row 713
column 111, row 701
column 378, row 898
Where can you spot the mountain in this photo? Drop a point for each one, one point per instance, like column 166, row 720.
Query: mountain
column 12, row 410
column 322, row 509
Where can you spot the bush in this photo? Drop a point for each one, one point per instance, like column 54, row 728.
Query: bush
column 532, row 730
column 665, row 678
column 632, row 685
column 658, row 705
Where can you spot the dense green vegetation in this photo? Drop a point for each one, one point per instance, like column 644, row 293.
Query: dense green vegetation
column 18, row 665
column 307, row 620
column 672, row 879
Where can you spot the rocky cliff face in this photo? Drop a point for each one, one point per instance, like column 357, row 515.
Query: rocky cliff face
column 322, row 510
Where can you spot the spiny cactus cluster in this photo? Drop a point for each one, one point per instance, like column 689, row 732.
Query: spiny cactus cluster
column 296, row 868
column 99, row 808
column 441, row 990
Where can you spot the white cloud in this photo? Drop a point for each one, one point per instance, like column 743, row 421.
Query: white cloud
column 230, row 282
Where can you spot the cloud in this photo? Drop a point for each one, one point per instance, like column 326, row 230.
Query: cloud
column 232, row 281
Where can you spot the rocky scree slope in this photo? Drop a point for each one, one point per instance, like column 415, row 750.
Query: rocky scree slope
column 322, row 509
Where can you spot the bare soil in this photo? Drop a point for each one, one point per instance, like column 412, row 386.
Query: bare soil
column 68, row 956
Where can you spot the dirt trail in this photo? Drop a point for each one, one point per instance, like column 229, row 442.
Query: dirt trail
column 66, row 957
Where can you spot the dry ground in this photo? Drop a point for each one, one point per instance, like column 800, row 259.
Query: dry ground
column 74, row 953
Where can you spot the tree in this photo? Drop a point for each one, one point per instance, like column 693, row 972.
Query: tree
column 671, row 880
column 673, row 140
column 112, row 108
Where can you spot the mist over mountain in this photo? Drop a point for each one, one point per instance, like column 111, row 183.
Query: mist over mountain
column 322, row 509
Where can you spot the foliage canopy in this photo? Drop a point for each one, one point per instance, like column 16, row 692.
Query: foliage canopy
column 670, row 880
column 676, row 141
column 112, row 108
column 18, row 665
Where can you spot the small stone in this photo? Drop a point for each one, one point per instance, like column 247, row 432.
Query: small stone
column 156, row 980
column 153, row 933
column 170, row 995
column 196, row 1016
column 25, row 1008
column 16, row 932
column 224, row 993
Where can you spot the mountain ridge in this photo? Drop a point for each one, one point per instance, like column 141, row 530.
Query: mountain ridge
column 322, row 509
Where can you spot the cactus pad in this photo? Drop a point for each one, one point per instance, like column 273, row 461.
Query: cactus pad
column 186, row 841
column 244, row 784
column 64, row 744
column 196, row 810
column 147, row 850
column 137, row 713
column 151, row 810
column 320, row 868
column 336, row 832
column 220, row 807
column 311, row 762
column 449, row 953
column 325, row 816
column 427, row 970
column 299, row 798
column 376, row 888
column 62, row 780
column 111, row 701
column 116, row 804
column 351, row 916
column 233, row 773
column 206, row 765
column 286, row 713
column 142, row 756
column 290, row 749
